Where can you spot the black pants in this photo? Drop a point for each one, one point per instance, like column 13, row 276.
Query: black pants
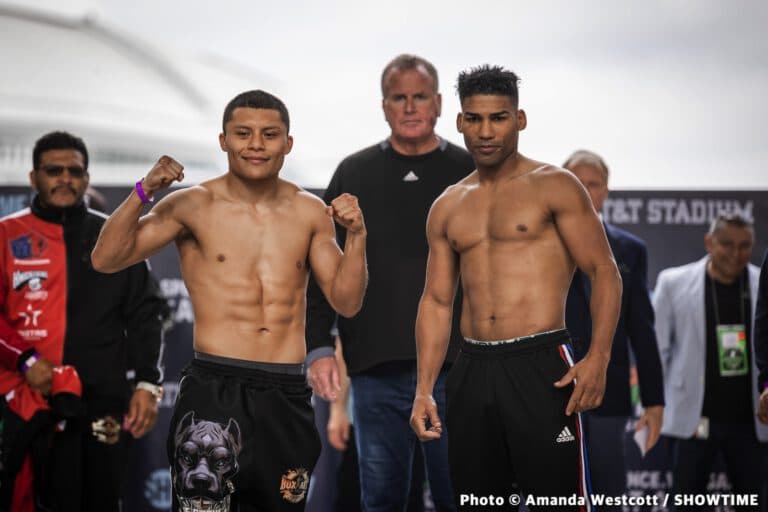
column 73, row 471
column 85, row 474
column 508, row 424
column 745, row 461
column 605, row 447
column 243, row 436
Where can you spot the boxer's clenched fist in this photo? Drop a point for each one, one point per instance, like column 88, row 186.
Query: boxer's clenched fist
column 166, row 171
column 346, row 212
column 762, row 411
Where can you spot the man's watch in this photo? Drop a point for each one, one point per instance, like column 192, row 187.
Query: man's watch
column 155, row 389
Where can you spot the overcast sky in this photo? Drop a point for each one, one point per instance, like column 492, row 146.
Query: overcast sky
column 671, row 93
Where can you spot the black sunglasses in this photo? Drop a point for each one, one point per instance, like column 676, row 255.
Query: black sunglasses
column 52, row 171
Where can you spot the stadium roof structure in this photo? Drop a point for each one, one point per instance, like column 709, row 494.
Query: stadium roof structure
column 129, row 100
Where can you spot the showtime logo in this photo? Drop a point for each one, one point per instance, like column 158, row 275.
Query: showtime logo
column 157, row 489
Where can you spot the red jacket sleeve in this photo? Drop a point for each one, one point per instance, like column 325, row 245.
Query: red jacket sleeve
column 12, row 345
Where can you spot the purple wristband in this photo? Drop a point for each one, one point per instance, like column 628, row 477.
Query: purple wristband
column 141, row 194
column 31, row 360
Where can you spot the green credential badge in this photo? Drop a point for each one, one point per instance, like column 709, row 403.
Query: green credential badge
column 732, row 350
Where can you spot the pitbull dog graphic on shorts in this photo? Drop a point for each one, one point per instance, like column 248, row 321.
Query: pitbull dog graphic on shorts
column 204, row 462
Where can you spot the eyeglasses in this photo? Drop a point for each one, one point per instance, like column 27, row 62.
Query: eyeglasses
column 52, row 171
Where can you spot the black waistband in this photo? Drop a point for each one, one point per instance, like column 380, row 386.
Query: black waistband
column 251, row 370
column 518, row 345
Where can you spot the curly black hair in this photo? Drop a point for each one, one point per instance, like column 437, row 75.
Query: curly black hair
column 487, row 79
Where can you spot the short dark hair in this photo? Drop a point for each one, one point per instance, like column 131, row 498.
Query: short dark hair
column 732, row 219
column 58, row 140
column 256, row 99
column 407, row 61
column 584, row 156
column 487, row 79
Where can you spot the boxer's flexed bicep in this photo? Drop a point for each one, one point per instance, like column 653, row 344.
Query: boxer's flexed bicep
column 324, row 251
column 342, row 276
column 126, row 238
column 325, row 257
column 164, row 223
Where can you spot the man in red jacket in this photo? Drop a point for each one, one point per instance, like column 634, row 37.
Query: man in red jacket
column 55, row 309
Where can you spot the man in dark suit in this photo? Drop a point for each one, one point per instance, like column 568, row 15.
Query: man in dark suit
column 761, row 341
column 605, row 425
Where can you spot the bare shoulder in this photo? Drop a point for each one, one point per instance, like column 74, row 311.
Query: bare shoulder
column 448, row 202
column 301, row 204
column 472, row 178
column 549, row 175
column 300, row 198
column 210, row 190
column 185, row 200
column 560, row 187
column 453, row 193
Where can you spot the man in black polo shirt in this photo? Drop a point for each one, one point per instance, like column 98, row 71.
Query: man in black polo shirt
column 396, row 182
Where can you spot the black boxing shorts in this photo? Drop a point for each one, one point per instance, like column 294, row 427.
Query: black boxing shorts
column 242, row 437
column 508, row 432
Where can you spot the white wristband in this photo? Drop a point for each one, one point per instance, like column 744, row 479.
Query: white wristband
column 155, row 389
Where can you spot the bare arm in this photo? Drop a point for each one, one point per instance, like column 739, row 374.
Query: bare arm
column 433, row 322
column 338, row 420
column 341, row 276
column 584, row 237
column 125, row 238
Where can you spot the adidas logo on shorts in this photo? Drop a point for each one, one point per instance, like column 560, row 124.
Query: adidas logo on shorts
column 565, row 436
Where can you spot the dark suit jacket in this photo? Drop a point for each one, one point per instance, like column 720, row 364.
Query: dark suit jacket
column 635, row 325
column 761, row 326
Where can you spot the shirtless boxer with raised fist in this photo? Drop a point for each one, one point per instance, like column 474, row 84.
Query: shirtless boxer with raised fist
column 246, row 241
